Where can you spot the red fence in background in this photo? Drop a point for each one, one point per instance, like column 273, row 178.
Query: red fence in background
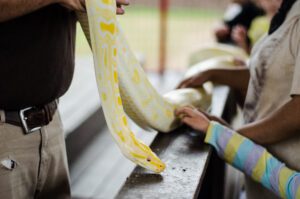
column 164, row 5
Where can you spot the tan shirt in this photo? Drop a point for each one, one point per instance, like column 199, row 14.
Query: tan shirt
column 275, row 77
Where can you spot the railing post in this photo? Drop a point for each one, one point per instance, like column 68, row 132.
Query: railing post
column 164, row 5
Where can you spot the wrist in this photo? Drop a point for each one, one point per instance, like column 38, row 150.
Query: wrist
column 206, row 126
column 209, row 132
column 205, row 123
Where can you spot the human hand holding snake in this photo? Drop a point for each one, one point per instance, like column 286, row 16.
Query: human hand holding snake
column 196, row 80
column 120, row 4
column 193, row 118
column 197, row 118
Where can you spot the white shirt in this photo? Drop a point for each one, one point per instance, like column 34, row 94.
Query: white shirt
column 275, row 77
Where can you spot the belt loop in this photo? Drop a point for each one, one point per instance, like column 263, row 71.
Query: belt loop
column 2, row 117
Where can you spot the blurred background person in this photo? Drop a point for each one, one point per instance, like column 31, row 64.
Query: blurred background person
column 239, row 12
column 259, row 26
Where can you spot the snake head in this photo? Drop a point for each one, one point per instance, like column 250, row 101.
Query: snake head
column 154, row 163
column 142, row 155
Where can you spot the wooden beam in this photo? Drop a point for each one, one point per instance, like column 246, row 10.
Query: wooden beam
column 164, row 5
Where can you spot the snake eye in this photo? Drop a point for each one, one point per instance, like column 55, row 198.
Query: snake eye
column 148, row 159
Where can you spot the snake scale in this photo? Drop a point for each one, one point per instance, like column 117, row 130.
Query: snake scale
column 124, row 87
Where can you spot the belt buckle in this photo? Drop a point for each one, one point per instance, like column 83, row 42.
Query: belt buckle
column 24, row 121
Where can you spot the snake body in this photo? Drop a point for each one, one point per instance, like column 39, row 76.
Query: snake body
column 124, row 87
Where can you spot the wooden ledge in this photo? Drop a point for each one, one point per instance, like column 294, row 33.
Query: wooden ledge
column 187, row 160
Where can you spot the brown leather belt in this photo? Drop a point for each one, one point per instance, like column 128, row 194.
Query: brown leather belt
column 32, row 118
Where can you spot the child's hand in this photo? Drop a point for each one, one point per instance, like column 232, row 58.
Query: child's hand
column 239, row 34
column 120, row 4
column 214, row 118
column 196, row 80
column 193, row 118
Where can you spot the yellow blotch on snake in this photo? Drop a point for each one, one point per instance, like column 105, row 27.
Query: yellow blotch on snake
column 104, row 97
column 121, row 136
column 111, row 28
column 132, row 136
column 125, row 121
column 119, row 101
column 137, row 155
column 115, row 76
column 108, row 2
column 105, row 57
column 136, row 77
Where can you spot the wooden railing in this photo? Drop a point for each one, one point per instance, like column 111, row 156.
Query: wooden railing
column 193, row 169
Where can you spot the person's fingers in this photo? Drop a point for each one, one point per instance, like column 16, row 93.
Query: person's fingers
column 179, row 112
column 196, row 80
column 204, row 113
column 185, row 112
column 193, row 118
column 123, row 2
column 82, row 3
column 120, row 3
column 184, row 83
column 239, row 62
column 192, row 82
column 213, row 117
column 196, row 123
column 120, row 10
column 188, row 121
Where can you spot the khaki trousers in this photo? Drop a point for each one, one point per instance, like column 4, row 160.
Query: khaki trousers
column 39, row 166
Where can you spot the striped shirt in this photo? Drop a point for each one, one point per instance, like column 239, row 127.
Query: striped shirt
column 254, row 160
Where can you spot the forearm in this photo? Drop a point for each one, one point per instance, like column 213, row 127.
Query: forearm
column 280, row 125
column 237, row 79
column 254, row 161
column 10, row 9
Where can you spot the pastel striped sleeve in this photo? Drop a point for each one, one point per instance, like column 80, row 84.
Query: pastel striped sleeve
column 254, row 160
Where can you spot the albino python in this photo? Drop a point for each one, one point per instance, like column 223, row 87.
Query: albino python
column 124, row 87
